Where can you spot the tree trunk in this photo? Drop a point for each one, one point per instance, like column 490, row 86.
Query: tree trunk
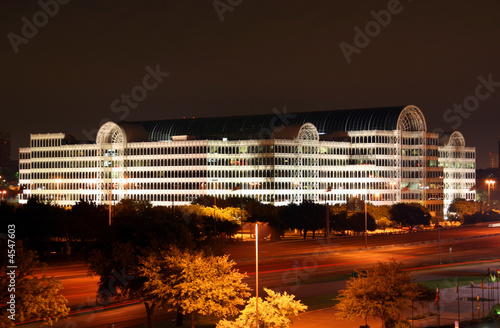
column 179, row 319
column 149, row 312
column 193, row 320
column 314, row 234
column 305, row 233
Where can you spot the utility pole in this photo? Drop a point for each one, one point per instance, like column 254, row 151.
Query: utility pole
column 257, row 275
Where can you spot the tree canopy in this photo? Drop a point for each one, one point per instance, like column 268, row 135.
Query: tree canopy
column 193, row 283
column 36, row 297
column 383, row 292
column 274, row 312
column 200, row 219
column 459, row 208
column 409, row 214
column 308, row 216
column 356, row 222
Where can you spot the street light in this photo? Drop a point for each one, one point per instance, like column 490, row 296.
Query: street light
column 257, row 275
column 111, row 185
column 238, row 187
column 215, row 209
column 3, row 193
column 490, row 182
column 327, row 214
column 366, row 211
column 366, row 222
column 393, row 185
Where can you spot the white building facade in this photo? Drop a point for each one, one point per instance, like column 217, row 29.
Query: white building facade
column 384, row 155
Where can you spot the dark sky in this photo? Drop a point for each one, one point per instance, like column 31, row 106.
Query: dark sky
column 263, row 55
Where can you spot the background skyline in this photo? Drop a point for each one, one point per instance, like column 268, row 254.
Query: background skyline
column 70, row 74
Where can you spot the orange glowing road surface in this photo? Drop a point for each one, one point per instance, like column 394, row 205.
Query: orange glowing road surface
column 289, row 265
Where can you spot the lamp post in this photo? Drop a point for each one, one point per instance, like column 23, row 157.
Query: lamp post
column 257, row 275
column 215, row 209
column 439, row 240
column 490, row 183
column 236, row 188
column 109, row 186
column 366, row 222
column 3, row 193
column 327, row 214
column 366, row 212
column 295, row 185
column 110, row 203
column 393, row 184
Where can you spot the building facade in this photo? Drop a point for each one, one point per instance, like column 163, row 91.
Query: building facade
column 382, row 155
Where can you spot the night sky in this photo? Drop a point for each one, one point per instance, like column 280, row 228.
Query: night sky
column 66, row 76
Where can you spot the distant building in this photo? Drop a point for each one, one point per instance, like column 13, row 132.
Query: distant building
column 459, row 168
column 383, row 155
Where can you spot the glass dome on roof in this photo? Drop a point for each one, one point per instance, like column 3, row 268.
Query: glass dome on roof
column 408, row 118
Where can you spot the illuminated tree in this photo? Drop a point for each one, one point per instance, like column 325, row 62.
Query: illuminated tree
column 383, row 223
column 201, row 219
column 36, row 298
column 378, row 212
column 460, row 208
column 193, row 283
column 383, row 292
column 275, row 311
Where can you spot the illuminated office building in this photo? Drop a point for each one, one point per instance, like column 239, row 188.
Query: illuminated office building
column 384, row 155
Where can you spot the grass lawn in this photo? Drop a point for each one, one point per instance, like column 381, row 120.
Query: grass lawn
column 452, row 282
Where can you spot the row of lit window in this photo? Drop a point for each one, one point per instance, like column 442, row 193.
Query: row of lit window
column 459, row 175
column 457, row 154
column 457, row 165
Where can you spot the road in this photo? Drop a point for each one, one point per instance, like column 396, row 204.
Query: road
column 316, row 259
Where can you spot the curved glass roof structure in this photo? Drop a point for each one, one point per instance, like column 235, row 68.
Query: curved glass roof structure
column 261, row 126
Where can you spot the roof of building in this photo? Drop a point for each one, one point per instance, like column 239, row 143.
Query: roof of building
column 452, row 139
column 262, row 126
